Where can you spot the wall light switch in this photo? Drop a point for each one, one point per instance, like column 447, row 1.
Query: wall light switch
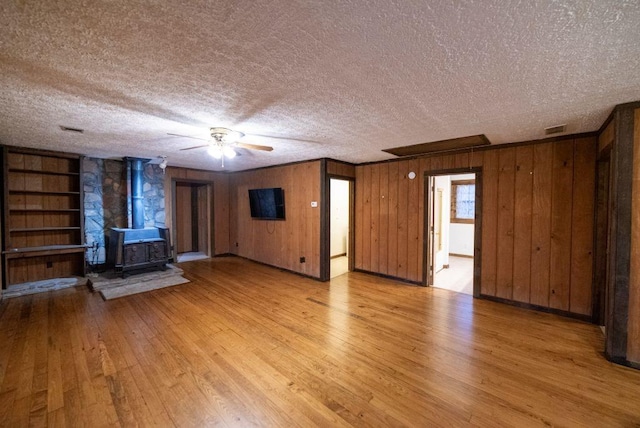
column 314, row 204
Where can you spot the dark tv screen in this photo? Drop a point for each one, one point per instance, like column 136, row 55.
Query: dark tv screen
column 267, row 204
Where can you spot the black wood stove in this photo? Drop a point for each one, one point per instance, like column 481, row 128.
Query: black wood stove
column 139, row 248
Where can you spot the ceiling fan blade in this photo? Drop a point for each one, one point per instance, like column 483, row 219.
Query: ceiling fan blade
column 255, row 147
column 274, row 137
column 187, row 136
column 196, row 147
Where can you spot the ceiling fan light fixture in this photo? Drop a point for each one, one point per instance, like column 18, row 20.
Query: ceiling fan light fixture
column 215, row 151
column 226, row 135
column 229, row 152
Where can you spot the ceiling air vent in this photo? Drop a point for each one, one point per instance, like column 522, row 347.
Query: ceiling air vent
column 558, row 129
column 68, row 129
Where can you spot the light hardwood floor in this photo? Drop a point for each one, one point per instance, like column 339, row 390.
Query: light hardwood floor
column 244, row 344
column 457, row 277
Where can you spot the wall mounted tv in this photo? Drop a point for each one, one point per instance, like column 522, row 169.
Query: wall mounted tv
column 267, row 204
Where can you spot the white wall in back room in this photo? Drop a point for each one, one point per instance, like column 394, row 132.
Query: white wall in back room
column 339, row 216
column 461, row 239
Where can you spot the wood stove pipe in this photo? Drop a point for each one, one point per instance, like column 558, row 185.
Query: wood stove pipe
column 137, row 196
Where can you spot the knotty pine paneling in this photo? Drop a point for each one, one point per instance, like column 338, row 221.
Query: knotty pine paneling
column 359, row 232
column 489, row 253
column 366, row 219
column 274, row 242
column 633, row 324
column 403, row 218
column 504, row 257
column 392, row 226
column 537, row 218
column 383, row 218
column 376, row 202
column 541, row 218
column 414, row 265
column 582, row 226
column 561, row 209
column 522, row 224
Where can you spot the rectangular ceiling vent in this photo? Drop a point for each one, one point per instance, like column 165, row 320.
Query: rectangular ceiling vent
column 68, row 129
column 558, row 129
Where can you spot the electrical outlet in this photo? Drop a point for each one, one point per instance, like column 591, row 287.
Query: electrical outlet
column 236, row 244
column 302, row 260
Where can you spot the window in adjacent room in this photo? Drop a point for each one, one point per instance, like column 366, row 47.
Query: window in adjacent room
column 463, row 201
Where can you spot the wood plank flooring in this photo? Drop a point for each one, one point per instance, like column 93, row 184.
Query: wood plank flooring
column 244, row 344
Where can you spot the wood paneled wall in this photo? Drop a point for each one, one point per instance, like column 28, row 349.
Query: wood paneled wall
column 220, row 203
column 279, row 243
column 633, row 326
column 537, row 220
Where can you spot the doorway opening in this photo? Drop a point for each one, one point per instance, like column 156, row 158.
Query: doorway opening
column 452, row 223
column 191, row 214
column 340, row 226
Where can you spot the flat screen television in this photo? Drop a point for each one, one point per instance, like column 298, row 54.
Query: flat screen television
column 267, row 204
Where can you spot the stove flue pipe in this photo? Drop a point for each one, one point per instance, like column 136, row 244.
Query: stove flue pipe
column 137, row 193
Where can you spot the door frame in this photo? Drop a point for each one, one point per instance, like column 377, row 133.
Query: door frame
column 210, row 214
column 325, row 223
column 427, row 268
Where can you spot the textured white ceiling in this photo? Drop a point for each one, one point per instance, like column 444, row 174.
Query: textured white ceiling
column 340, row 79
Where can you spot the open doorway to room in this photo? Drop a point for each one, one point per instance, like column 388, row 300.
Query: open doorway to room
column 451, row 220
column 191, row 214
column 340, row 215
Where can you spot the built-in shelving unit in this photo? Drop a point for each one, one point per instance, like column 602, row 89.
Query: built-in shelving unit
column 43, row 217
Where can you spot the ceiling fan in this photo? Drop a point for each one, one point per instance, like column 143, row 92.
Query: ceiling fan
column 222, row 143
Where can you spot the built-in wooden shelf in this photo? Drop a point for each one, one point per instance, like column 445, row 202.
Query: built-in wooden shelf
column 42, row 229
column 44, row 210
column 45, row 250
column 42, row 192
column 33, row 171
column 43, row 219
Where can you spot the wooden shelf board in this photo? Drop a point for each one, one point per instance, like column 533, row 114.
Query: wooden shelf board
column 41, row 192
column 45, row 210
column 47, row 250
column 44, row 229
column 35, row 171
